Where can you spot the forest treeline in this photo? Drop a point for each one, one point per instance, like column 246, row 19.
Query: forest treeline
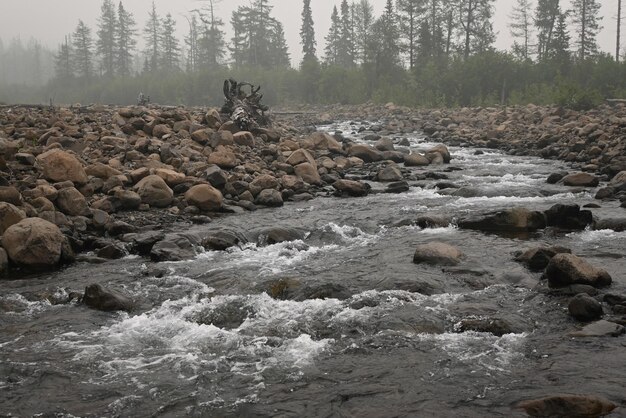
column 417, row 52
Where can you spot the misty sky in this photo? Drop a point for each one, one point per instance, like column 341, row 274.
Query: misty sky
column 50, row 20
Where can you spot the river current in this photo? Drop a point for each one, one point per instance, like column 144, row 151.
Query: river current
column 339, row 323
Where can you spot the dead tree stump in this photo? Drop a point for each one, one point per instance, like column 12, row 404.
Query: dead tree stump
column 245, row 108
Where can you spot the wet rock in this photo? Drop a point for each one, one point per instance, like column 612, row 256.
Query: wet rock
column 270, row 197
column 322, row 291
column 300, row 156
column 511, row 220
column 34, row 243
column 573, row 290
column 567, row 406
column 416, row 160
column 115, row 228
column 585, row 308
column 390, row 173
column 537, row 259
column 365, row 153
column 495, row 326
column 10, row 195
column 9, row 216
column 4, row 261
column 275, row 235
column 437, row 253
column 154, row 191
column 324, row 141
column 567, row 269
column 440, row 149
column 142, row 243
column 568, row 216
column 111, row 252
column 126, row 200
column 216, row 177
column 204, row 197
column 398, row 187
column 351, row 188
column 617, row 225
column 221, row 239
column 72, row 202
column 58, row 166
column 554, row 178
column 432, row 221
column 600, row 328
column 175, row 247
column 100, row 298
column 581, row 180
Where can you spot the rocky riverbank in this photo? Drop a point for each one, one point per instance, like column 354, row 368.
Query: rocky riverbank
column 111, row 179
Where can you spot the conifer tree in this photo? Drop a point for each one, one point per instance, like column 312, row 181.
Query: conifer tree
column 63, row 68
column 586, row 18
column 476, row 25
column 170, row 58
column 211, row 44
column 125, row 40
column 106, row 43
column 345, row 47
column 192, row 41
column 153, row 42
column 333, row 39
column 307, row 33
column 546, row 16
column 363, row 22
column 82, row 50
column 410, row 12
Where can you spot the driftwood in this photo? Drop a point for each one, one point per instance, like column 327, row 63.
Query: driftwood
column 245, row 108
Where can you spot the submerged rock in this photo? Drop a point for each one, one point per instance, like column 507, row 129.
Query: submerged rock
column 100, row 298
column 567, row 406
column 601, row 328
column 537, row 259
column 437, row 253
column 585, row 308
column 568, row 216
column 511, row 220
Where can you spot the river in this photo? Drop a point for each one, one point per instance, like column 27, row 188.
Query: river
column 339, row 323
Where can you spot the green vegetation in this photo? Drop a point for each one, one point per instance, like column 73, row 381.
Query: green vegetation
column 418, row 52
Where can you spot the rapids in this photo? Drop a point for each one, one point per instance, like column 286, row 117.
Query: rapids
column 338, row 323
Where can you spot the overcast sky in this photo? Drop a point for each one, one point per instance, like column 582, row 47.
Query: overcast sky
column 50, row 20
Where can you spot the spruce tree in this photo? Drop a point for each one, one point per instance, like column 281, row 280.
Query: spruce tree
column 476, row 25
column 387, row 35
column 126, row 42
column 586, row 18
column 333, row 39
column 153, row 42
column 82, row 50
column 63, row 68
column 192, row 41
column 345, row 52
column 211, row 44
column 170, row 58
column 106, row 45
column 363, row 22
column 410, row 12
column 546, row 16
column 307, row 33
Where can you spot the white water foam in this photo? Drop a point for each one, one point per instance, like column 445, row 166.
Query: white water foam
column 597, row 236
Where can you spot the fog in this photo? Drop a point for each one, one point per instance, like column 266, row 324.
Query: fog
column 50, row 20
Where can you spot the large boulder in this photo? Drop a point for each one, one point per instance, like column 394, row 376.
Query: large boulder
column 71, row 202
column 568, row 216
column 300, row 156
column 390, row 173
column 58, row 166
column 100, row 298
column 365, row 152
column 438, row 253
column 269, row 197
column 538, row 258
column 581, row 180
column 204, row 197
column 567, row 269
column 223, row 159
column 440, row 149
column 511, row 220
column 308, row 172
column 351, row 188
column 585, row 308
column 175, row 247
column 34, row 243
column 562, row 406
column 10, row 195
column 9, row 216
column 324, row 141
column 154, row 191
column 416, row 160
